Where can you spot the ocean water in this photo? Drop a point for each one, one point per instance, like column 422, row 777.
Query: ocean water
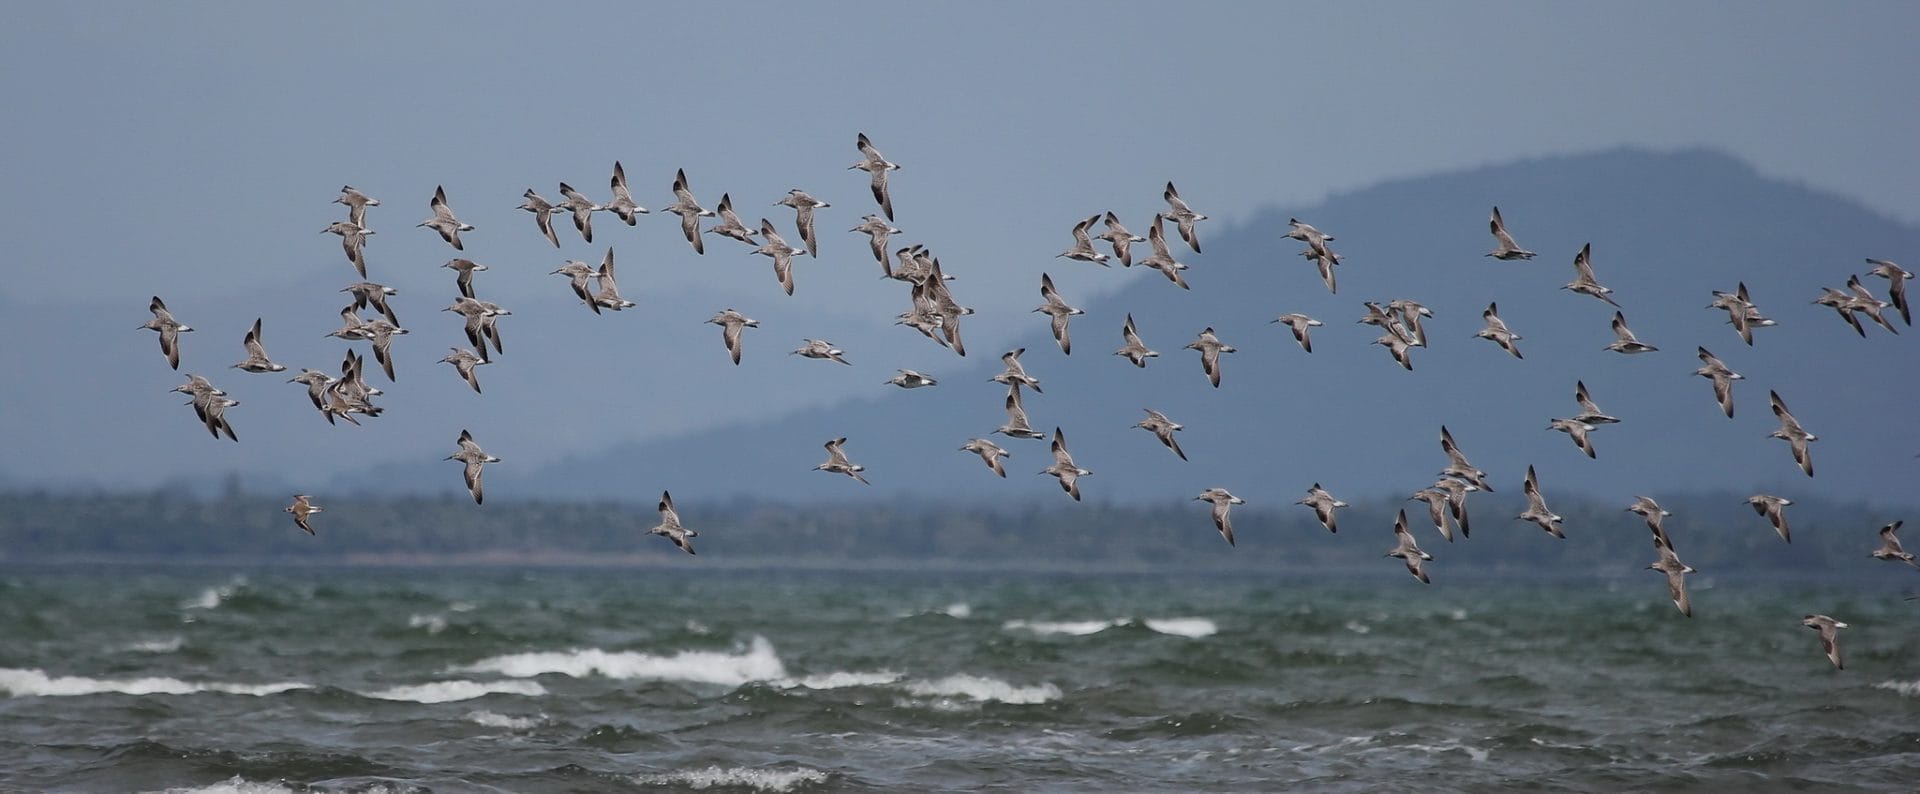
column 122, row 678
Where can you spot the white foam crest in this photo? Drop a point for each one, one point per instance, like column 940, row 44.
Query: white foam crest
column 461, row 606
column 233, row 785
column 488, row 719
column 1474, row 753
column 980, row 688
column 1909, row 688
column 1077, row 628
column 1357, row 627
column 168, row 645
column 757, row 663
column 1184, row 627
column 213, row 596
column 774, row 780
column 957, row 609
column 434, row 624
column 450, row 691
column 36, row 683
column 840, row 680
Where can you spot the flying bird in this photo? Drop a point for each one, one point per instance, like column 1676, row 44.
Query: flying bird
column 1576, row 430
column 1774, row 510
column 730, row 224
column 463, row 361
column 1722, row 377
column 1497, row 331
column 353, row 240
column 1626, row 343
column 169, row 328
column 1505, row 248
column 1323, row 505
column 1121, row 238
column 1829, row 637
column 1064, row 468
column 302, row 507
column 1890, row 549
column 820, row 348
column 909, row 379
column 1791, row 432
column 357, row 204
column 1210, row 348
column 1896, row 286
column 1162, row 259
column 1676, row 571
column 669, row 526
column 776, row 247
column 1135, row 350
column 1082, row 249
column 730, row 323
column 989, row 452
column 1583, row 280
column 838, row 463
column 543, row 212
column 1537, row 511
column 1408, row 550
column 442, row 221
column 1183, row 216
column 872, row 162
column 1223, row 503
column 256, row 360
column 1017, row 425
column 622, row 205
column 1590, row 413
column 1299, row 323
column 1162, row 428
column 690, row 212
column 473, row 458
column 803, row 206
column 582, row 208
column 1058, row 312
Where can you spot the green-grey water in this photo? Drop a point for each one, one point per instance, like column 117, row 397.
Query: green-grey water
column 194, row 678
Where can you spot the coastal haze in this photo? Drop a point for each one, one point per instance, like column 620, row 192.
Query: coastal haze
column 164, row 626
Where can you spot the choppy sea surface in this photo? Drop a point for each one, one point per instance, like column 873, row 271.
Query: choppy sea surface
column 118, row 678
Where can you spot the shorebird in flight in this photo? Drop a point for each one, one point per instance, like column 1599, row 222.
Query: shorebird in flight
column 1774, row 510
column 989, row 452
column 1408, row 550
column 838, row 463
column 689, row 210
column 1064, row 468
column 1210, row 348
column 1058, row 313
column 357, row 204
column 1223, row 503
column 1829, row 637
column 302, row 507
column 169, row 328
column 622, row 205
column 1323, row 505
column 256, row 360
column 543, row 212
column 1791, row 432
column 1182, row 216
column 876, row 164
column 669, row 526
column 1505, row 248
column 730, row 323
column 1162, row 428
column 1299, row 323
column 443, row 221
column 473, row 458
column 1537, row 511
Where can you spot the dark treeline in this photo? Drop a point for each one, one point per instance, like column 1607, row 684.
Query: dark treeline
column 1713, row 532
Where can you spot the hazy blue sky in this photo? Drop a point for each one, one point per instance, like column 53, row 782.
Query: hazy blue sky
column 190, row 150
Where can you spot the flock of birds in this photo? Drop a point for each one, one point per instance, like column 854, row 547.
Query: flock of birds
column 936, row 314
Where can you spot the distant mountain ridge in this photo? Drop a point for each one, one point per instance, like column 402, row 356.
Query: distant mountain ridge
column 1666, row 229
